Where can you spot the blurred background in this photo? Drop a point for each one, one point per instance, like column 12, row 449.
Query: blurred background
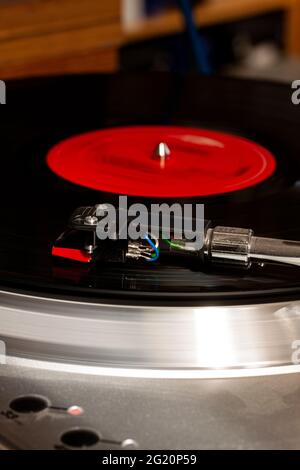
column 252, row 38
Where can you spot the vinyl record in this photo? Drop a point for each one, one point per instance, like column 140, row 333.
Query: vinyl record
column 124, row 115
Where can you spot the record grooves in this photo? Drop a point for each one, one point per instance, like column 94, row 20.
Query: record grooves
column 35, row 202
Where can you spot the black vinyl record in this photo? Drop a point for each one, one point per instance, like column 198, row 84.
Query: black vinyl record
column 36, row 204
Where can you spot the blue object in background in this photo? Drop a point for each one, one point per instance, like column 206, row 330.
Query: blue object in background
column 198, row 44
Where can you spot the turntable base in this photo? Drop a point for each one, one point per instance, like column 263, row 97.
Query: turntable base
column 248, row 413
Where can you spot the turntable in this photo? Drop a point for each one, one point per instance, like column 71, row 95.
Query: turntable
column 149, row 344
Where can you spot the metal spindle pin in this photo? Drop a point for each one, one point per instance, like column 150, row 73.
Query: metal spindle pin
column 162, row 152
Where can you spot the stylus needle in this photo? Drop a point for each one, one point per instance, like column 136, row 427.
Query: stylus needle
column 231, row 245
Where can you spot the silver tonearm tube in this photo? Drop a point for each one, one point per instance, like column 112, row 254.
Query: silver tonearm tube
column 230, row 245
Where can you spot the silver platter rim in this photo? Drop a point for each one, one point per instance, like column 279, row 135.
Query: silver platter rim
column 150, row 341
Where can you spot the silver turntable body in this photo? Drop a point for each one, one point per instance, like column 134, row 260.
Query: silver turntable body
column 102, row 376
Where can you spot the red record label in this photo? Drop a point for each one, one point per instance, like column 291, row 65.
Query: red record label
column 157, row 161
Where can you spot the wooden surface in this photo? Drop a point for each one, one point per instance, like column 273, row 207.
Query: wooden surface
column 98, row 60
column 30, row 55
column 212, row 12
column 23, row 18
column 39, row 37
column 59, row 36
column 292, row 28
